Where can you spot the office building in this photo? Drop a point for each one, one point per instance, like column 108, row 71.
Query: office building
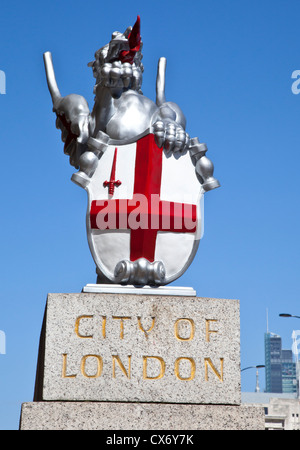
column 280, row 369
column 289, row 381
column 282, row 411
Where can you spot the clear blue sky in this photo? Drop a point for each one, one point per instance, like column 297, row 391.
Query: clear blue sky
column 229, row 66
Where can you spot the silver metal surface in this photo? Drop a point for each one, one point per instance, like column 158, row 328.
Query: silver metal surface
column 131, row 289
column 140, row 272
column 121, row 115
column 161, row 81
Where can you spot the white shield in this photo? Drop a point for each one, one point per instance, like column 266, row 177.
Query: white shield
column 145, row 213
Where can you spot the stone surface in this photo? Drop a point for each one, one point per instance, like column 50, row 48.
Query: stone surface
column 132, row 348
column 138, row 416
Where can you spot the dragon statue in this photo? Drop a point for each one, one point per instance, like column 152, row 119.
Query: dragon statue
column 122, row 114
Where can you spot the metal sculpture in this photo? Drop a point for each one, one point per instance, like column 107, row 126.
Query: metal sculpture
column 145, row 177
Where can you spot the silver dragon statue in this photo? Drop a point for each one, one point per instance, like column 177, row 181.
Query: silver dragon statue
column 121, row 116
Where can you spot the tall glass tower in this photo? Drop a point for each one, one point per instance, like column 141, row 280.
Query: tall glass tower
column 273, row 364
column 289, row 380
column 280, row 370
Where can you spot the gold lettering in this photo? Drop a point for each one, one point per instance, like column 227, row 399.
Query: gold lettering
column 193, row 368
column 104, row 327
column 77, row 327
column 117, row 358
column 192, row 330
column 208, row 362
column 145, row 367
column 64, row 368
column 142, row 328
column 99, row 366
column 207, row 329
column 121, row 318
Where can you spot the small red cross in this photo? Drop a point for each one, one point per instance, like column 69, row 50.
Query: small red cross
column 155, row 214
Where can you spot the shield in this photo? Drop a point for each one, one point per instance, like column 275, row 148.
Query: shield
column 145, row 213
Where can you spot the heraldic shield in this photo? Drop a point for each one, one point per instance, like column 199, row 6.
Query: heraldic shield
column 144, row 215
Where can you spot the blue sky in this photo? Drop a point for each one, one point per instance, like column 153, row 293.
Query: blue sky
column 229, row 67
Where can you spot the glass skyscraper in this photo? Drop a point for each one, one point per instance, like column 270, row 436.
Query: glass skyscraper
column 273, row 369
column 289, row 381
column 280, row 370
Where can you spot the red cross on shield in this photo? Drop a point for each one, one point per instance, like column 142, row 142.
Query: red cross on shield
column 144, row 203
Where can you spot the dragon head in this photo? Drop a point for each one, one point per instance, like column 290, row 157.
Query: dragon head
column 118, row 63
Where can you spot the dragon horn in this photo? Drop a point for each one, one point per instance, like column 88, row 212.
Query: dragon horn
column 52, row 85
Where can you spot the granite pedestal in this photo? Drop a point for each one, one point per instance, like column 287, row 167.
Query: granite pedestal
column 129, row 361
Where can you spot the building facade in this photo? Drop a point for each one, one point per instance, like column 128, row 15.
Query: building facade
column 280, row 369
column 282, row 411
column 289, row 380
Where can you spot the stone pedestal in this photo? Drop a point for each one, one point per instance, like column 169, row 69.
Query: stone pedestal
column 129, row 361
column 138, row 416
